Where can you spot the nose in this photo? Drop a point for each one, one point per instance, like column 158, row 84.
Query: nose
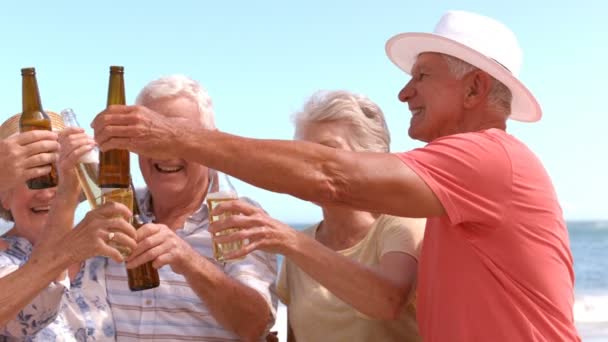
column 407, row 92
column 46, row 194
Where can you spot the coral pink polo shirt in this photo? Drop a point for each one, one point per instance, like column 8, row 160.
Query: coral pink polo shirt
column 497, row 266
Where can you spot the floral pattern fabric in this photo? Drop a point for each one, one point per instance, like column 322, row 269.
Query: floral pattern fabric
column 64, row 311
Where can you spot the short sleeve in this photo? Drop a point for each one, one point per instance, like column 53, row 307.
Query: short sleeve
column 469, row 173
column 401, row 234
column 40, row 312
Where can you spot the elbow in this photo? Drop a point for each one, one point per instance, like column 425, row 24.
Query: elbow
column 395, row 304
column 254, row 331
column 329, row 186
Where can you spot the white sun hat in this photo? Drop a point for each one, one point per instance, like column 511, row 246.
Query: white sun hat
column 478, row 40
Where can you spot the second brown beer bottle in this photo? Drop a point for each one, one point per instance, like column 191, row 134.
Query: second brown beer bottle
column 114, row 168
column 144, row 276
column 34, row 118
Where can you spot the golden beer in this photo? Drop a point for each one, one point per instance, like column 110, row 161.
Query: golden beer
column 125, row 197
column 221, row 249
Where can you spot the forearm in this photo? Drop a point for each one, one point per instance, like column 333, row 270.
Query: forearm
column 377, row 182
column 374, row 294
column 233, row 304
column 19, row 288
column 61, row 216
column 269, row 164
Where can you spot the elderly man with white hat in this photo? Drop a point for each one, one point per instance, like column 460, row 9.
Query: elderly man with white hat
column 496, row 263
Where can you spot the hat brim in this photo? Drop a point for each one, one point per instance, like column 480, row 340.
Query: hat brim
column 404, row 48
column 11, row 125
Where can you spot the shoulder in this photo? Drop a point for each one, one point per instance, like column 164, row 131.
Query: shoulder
column 388, row 224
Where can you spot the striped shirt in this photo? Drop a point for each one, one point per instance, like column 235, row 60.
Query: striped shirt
column 173, row 311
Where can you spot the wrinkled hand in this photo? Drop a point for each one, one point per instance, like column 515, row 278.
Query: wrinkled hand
column 73, row 144
column 25, row 156
column 91, row 236
column 159, row 244
column 140, row 130
column 262, row 231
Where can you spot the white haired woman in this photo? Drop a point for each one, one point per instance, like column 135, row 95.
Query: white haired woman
column 352, row 276
column 50, row 282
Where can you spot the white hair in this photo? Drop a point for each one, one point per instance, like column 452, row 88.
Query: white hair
column 367, row 128
column 180, row 85
column 499, row 97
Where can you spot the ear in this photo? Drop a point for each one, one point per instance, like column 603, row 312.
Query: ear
column 477, row 88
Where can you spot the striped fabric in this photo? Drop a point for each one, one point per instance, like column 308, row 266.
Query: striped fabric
column 172, row 311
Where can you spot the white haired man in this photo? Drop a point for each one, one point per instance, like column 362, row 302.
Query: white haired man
column 198, row 298
column 496, row 263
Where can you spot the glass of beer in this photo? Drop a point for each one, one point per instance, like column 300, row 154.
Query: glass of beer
column 221, row 190
column 125, row 197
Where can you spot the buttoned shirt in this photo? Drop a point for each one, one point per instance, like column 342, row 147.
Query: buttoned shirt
column 173, row 311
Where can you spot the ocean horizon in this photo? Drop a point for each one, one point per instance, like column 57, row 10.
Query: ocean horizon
column 589, row 244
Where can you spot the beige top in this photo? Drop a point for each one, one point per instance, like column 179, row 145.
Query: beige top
column 315, row 314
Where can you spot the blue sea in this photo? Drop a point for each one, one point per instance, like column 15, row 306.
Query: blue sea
column 589, row 243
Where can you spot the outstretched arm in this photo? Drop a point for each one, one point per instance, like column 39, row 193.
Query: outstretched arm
column 377, row 182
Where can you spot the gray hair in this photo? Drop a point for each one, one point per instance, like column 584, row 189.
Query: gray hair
column 179, row 85
column 499, row 97
column 367, row 127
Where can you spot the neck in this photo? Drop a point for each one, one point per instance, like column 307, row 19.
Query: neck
column 483, row 118
column 24, row 233
column 342, row 228
column 475, row 121
column 173, row 211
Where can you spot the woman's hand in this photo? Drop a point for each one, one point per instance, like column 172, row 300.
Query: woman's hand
column 25, row 156
column 91, row 237
column 262, row 231
column 74, row 144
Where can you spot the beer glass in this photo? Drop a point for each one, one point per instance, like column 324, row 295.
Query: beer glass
column 221, row 190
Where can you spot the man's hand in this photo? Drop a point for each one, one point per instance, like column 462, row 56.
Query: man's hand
column 159, row 244
column 140, row 130
column 25, row 156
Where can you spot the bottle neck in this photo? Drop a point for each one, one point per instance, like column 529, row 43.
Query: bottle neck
column 69, row 118
column 30, row 95
column 116, row 90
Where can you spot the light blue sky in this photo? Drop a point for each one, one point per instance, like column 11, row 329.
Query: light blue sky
column 260, row 60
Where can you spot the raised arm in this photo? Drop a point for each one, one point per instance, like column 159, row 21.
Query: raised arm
column 377, row 182
column 28, row 293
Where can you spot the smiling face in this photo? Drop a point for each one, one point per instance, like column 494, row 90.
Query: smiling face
column 171, row 178
column 435, row 98
column 29, row 209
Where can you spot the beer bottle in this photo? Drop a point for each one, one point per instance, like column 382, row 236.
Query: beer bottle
column 144, row 276
column 114, row 170
column 88, row 165
column 34, row 118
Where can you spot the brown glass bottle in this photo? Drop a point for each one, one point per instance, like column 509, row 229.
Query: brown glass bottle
column 145, row 276
column 114, row 170
column 34, row 118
